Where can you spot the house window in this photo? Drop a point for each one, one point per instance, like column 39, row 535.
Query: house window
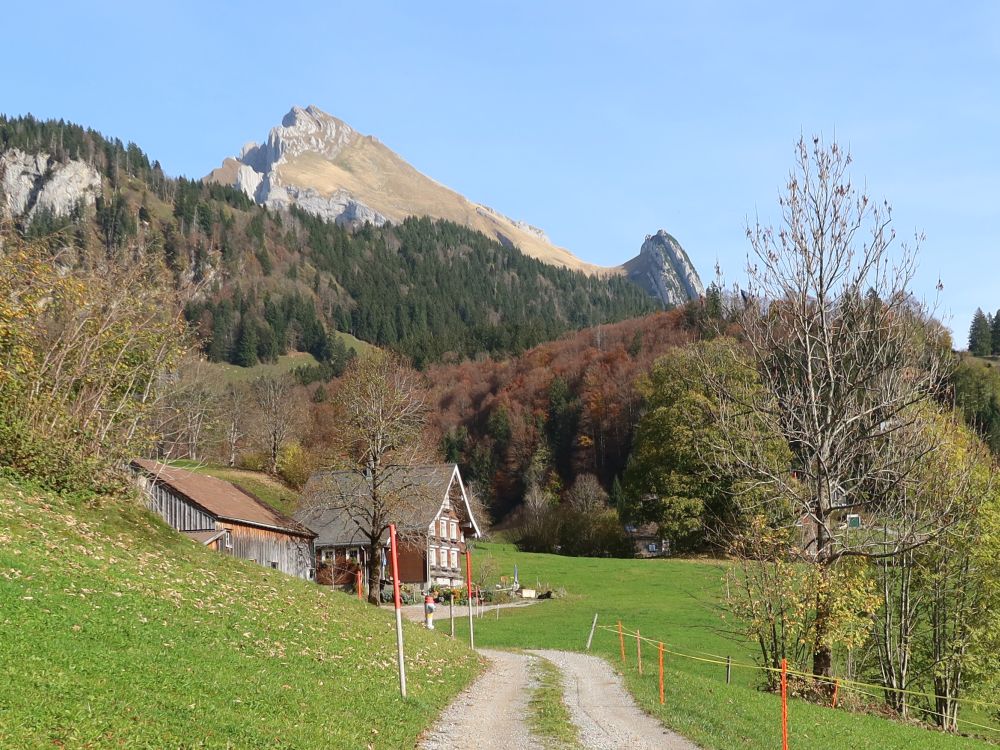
column 454, row 558
column 454, row 530
column 443, row 528
column 432, row 557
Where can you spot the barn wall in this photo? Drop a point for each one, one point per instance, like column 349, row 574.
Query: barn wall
column 273, row 549
column 175, row 510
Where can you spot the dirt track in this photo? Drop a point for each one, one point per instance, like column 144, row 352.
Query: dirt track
column 492, row 713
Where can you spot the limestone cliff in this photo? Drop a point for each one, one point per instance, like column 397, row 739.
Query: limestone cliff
column 30, row 183
column 664, row 270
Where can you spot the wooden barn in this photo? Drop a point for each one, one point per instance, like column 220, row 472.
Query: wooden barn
column 226, row 518
column 435, row 521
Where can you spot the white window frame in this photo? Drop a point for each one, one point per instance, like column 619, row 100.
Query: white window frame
column 454, row 531
column 454, row 558
column 443, row 528
column 432, row 556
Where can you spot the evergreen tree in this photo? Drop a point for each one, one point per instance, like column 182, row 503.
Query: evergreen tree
column 246, row 345
column 995, row 348
column 980, row 335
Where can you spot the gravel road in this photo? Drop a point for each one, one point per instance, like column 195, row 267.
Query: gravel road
column 491, row 713
column 604, row 712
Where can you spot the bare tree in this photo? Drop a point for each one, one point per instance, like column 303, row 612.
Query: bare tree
column 845, row 355
column 383, row 416
column 235, row 422
column 278, row 414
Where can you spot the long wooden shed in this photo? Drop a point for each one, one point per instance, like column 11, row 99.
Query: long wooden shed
column 226, row 518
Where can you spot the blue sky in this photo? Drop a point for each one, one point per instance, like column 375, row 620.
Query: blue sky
column 598, row 122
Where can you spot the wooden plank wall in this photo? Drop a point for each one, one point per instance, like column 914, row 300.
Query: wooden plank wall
column 176, row 511
column 273, row 549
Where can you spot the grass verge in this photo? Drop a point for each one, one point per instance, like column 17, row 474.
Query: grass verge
column 549, row 718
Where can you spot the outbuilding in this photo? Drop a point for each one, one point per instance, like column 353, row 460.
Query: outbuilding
column 227, row 518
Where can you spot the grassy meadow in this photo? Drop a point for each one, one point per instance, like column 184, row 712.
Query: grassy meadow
column 118, row 632
column 675, row 601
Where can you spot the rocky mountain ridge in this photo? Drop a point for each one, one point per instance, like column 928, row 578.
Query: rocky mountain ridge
column 322, row 165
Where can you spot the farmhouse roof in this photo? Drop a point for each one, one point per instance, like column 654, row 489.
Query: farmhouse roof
column 219, row 498
column 421, row 490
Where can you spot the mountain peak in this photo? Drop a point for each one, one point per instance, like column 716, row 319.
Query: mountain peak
column 321, row 164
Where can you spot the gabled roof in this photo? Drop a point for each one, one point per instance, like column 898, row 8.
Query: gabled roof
column 219, row 498
column 422, row 489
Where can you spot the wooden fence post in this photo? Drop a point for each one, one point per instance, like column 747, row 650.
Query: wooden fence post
column 638, row 650
column 621, row 641
column 729, row 669
column 661, row 674
column 784, row 704
column 451, row 609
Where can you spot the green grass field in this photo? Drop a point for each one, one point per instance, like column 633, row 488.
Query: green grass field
column 675, row 601
column 118, row 632
column 272, row 491
column 286, row 362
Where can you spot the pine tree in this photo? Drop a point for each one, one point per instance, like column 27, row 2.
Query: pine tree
column 995, row 334
column 980, row 335
column 246, row 346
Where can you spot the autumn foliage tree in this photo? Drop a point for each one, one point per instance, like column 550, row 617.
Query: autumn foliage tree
column 844, row 355
column 82, row 357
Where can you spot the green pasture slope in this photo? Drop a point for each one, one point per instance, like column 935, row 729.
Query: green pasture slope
column 675, row 601
column 117, row 632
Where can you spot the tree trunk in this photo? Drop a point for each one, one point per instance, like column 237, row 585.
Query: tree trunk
column 822, row 649
column 374, row 575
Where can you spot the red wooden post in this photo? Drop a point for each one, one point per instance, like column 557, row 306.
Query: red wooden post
column 638, row 650
column 398, row 606
column 468, row 591
column 836, row 689
column 621, row 641
column 360, row 584
column 661, row 674
column 784, row 704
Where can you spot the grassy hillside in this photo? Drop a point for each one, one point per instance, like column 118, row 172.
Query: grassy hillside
column 117, row 632
column 676, row 601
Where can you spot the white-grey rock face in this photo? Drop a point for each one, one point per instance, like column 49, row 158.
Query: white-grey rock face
column 308, row 130
column 664, row 270
column 36, row 182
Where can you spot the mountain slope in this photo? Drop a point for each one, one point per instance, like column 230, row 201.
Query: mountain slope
column 120, row 632
column 263, row 282
column 320, row 163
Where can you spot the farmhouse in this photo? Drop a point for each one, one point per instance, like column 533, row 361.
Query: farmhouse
column 226, row 518
column 434, row 521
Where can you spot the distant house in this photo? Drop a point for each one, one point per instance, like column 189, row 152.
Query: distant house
column 648, row 541
column 435, row 522
column 228, row 519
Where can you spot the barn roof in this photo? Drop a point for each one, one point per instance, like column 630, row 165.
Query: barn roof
column 420, row 489
column 219, row 498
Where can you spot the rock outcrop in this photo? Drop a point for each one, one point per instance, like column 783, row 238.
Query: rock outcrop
column 30, row 183
column 664, row 270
